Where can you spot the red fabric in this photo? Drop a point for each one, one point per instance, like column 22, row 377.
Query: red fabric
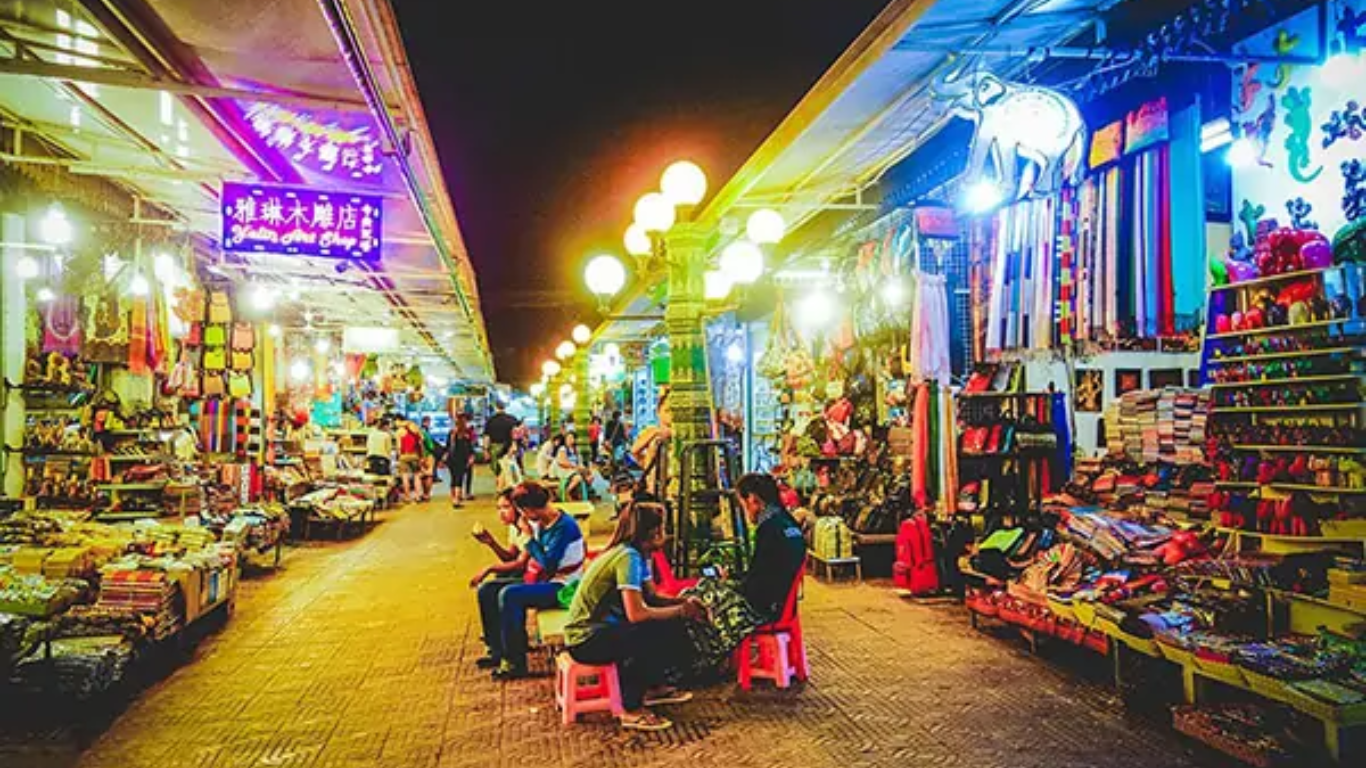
column 919, row 465
column 409, row 444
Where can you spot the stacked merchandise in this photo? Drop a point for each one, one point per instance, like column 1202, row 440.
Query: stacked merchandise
column 256, row 529
column 1159, row 425
column 334, row 504
column 77, row 667
column 126, row 589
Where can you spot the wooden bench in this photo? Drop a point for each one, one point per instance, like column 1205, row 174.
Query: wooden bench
column 817, row 563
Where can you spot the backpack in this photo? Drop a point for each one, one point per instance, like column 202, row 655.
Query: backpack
column 832, row 539
column 915, row 569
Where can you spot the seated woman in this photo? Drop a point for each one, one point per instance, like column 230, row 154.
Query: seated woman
column 569, row 471
column 617, row 618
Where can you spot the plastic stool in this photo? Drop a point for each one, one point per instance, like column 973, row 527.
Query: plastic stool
column 575, row 696
column 782, row 656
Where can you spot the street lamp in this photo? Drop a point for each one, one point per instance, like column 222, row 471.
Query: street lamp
column 683, row 183
column 742, row 262
column 550, row 368
column 716, row 285
column 581, row 334
column 765, row 226
column 566, row 350
column 605, row 276
column 637, row 240
column 654, row 212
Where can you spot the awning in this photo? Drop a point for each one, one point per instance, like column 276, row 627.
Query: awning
column 172, row 97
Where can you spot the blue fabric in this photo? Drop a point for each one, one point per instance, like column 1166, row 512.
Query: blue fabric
column 513, row 602
column 489, row 593
column 1187, row 218
column 549, row 546
column 1059, row 418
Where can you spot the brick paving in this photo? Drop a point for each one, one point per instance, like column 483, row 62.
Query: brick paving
column 361, row 654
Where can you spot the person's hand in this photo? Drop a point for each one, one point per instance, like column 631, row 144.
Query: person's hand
column 693, row 608
column 479, row 578
column 524, row 526
column 483, row 537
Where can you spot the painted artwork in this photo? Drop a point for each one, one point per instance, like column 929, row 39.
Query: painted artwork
column 1127, row 380
column 1146, row 126
column 1299, row 125
column 1088, row 394
column 264, row 218
column 1166, row 377
column 1107, row 145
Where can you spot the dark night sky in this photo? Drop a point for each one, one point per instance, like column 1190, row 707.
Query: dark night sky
column 551, row 118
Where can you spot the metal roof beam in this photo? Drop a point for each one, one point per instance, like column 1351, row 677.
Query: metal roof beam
column 127, row 79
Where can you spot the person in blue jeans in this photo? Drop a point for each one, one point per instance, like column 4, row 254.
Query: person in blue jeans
column 556, row 552
column 491, row 580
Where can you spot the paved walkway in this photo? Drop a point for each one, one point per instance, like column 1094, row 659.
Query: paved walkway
column 361, row 654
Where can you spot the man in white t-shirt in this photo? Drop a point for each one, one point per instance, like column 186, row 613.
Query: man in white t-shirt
column 379, row 449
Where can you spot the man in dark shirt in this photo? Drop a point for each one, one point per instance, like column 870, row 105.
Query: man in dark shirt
column 498, row 430
column 779, row 547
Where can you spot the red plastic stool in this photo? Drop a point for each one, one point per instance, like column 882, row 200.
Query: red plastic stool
column 781, row 657
column 584, row 688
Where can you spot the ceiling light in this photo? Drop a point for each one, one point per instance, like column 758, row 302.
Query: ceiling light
column 263, row 298
column 893, row 292
column 299, row 370
column 735, row 353
column 274, row 331
column 983, row 196
column 815, row 310
column 164, row 267
column 45, row 295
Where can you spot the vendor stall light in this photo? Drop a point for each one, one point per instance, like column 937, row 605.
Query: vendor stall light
column 323, row 346
column 894, row 293
column 816, row 310
column 55, row 228
column 742, row 262
column 654, row 212
column 263, row 298
column 165, row 269
column 274, row 331
column 566, row 350
column 44, row 295
column 139, row 286
column 765, row 226
column 735, row 353
column 299, row 371
column 683, row 183
column 604, row 275
column 983, row 196
column 26, row 268
column 715, row 285
column 166, row 104
column 1242, row 153
column 581, row 334
column 637, row 241
column 1215, row 134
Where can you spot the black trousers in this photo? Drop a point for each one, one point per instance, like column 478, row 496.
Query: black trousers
column 645, row 653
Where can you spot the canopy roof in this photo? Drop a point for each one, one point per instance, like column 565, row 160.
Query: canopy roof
column 172, row 97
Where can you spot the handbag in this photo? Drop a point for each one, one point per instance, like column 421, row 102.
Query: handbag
column 213, row 385
column 239, row 385
column 215, row 359
column 219, row 311
column 243, row 338
column 241, row 361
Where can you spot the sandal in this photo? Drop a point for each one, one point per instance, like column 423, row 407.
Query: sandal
column 667, row 696
column 645, row 721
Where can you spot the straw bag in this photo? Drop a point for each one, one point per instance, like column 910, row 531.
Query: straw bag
column 241, row 361
column 213, row 385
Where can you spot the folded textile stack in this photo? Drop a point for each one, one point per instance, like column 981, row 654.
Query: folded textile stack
column 136, row 591
column 80, row 666
column 1165, row 425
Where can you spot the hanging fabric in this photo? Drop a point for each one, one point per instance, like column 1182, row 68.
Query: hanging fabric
column 62, row 326
column 138, row 336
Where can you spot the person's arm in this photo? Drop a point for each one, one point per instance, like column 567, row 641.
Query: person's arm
column 549, row 551
column 755, row 577
column 635, row 586
column 515, row 564
column 504, row 554
column 653, row 597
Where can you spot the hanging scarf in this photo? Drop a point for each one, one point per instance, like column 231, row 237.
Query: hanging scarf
column 139, row 338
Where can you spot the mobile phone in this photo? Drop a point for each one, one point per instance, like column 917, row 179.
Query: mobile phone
column 710, row 571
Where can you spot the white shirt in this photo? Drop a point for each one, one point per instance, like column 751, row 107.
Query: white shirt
column 379, row 443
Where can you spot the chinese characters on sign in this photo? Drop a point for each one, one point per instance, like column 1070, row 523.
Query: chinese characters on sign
column 261, row 218
column 329, row 147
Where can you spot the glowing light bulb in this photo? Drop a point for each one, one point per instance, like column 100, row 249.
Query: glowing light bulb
column 274, row 331
column 55, row 228
column 581, row 334
column 715, row 285
column 654, row 212
column 816, row 310
column 299, row 370
column 982, row 196
column 550, row 368
column 165, row 269
column 735, row 353
column 323, row 346
column 263, row 298
column 45, row 295
column 742, row 262
column 565, row 350
column 894, row 293
column 683, row 183
column 604, row 275
column 765, row 226
column 139, row 286
column 637, row 240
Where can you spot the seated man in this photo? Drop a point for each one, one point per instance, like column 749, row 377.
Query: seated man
column 512, row 563
column 738, row 608
column 556, row 551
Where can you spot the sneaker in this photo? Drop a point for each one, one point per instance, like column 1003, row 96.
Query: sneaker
column 508, row 671
column 488, row 662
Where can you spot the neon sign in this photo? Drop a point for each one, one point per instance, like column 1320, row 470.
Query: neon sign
column 322, row 145
column 261, row 218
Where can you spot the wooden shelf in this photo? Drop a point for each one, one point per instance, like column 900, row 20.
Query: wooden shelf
column 1295, row 539
column 1319, row 601
column 1300, row 380
column 1219, row 409
column 1274, row 278
column 1294, row 487
column 1284, row 328
column 1283, row 355
column 1299, row 448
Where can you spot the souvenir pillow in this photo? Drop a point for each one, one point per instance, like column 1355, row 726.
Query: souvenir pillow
column 215, row 359
column 219, row 311
column 215, row 336
column 243, row 339
column 241, row 361
column 239, row 385
column 213, row 385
